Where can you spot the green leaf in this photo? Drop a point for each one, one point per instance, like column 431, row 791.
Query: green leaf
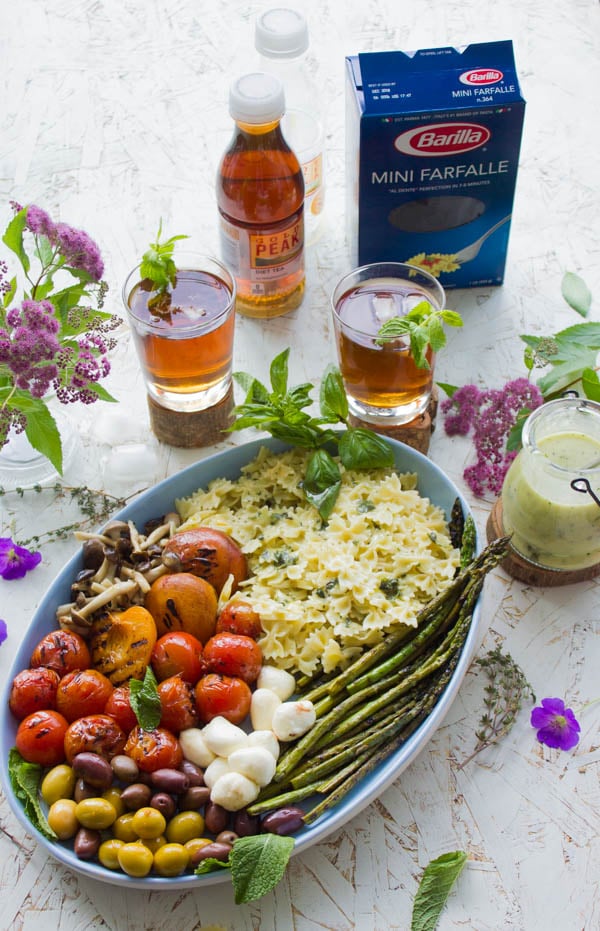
column 449, row 389
column 302, row 435
column 41, row 429
column 437, row 337
column 437, row 881
column 12, row 290
column 514, row 441
column 145, row 700
column 211, row 865
column 591, row 384
column 576, row 293
column 101, row 392
column 332, row 397
column 451, row 317
column 363, row 449
column 322, row 482
column 25, row 779
column 157, row 262
column 278, row 373
column 258, row 863
column 13, row 237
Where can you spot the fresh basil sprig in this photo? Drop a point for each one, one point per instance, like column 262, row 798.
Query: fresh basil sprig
column 157, row 262
column 145, row 700
column 424, row 327
column 281, row 412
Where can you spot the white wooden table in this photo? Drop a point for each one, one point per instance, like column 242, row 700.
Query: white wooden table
column 113, row 115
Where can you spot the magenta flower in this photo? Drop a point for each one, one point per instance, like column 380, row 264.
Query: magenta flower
column 16, row 561
column 556, row 725
column 3, row 631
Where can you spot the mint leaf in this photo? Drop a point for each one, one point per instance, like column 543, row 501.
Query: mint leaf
column 437, row 881
column 211, row 865
column 25, row 779
column 145, row 700
column 424, row 326
column 157, row 262
column 258, row 863
column 13, row 237
column 576, row 293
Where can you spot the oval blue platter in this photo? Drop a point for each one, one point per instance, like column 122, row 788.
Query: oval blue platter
column 433, row 483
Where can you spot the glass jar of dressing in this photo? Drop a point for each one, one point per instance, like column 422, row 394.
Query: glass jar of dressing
column 551, row 493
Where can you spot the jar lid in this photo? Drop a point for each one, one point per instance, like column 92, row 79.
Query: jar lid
column 281, row 33
column 256, row 98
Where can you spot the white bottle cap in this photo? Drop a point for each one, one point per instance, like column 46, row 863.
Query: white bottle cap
column 281, row 33
column 256, row 98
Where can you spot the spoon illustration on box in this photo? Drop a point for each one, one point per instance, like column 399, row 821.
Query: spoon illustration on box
column 436, row 263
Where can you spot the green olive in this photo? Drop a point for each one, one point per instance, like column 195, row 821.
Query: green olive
column 62, row 818
column 108, row 854
column 59, row 782
column 148, row 823
column 123, row 828
column 95, row 813
column 184, row 826
column 113, row 795
column 154, row 843
column 171, row 860
column 135, row 859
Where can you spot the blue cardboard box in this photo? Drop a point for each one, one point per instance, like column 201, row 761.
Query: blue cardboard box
column 432, row 149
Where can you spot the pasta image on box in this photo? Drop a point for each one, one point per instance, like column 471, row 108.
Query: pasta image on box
column 432, row 149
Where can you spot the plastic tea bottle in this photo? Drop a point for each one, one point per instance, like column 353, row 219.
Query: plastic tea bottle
column 260, row 195
column 281, row 40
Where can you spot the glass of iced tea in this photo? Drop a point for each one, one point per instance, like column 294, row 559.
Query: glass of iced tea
column 383, row 384
column 184, row 334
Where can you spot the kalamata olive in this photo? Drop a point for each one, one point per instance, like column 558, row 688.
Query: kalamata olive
column 170, row 780
column 246, row 825
column 94, row 769
column 87, row 843
column 137, row 795
column 216, row 818
column 283, row 821
column 193, row 772
column 218, row 851
column 165, row 803
column 194, row 798
column 226, row 837
column 83, row 790
column 124, row 768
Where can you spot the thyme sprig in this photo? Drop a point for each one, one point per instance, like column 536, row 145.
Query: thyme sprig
column 94, row 505
column 504, row 694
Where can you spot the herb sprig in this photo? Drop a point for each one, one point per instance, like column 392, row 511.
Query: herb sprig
column 281, row 412
column 436, row 883
column 424, row 327
column 157, row 263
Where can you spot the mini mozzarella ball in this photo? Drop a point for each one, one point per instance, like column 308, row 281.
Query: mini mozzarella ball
column 217, row 768
column 254, row 762
column 223, row 737
column 233, row 791
column 265, row 739
column 293, row 719
column 278, row 680
column 194, row 747
column 262, row 708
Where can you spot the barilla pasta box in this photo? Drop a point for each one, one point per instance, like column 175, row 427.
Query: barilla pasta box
column 432, row 148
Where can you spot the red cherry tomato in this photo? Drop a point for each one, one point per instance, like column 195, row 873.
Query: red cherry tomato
column 177, row 704
column 33, row 690
column 239, row 617
column 82, row 692
column 233, row 655
column 152, row 750
column 119, row 707
column 226, row 696
column 41, row 738
column 63, row 651
column 96, row 733
column 177, row 653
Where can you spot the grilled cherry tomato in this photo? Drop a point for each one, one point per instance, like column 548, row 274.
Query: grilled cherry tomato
column 226, row 696
column 177, row 653
column 239, row 617
column 119, row 707
column 97, row 733
column 233, row 655
column 33, row 690
column 82, row 692
column 63, row 651
column 152, row 750
column 177, row 704
column 40, row 738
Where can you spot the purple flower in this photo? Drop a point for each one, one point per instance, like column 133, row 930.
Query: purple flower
column 16, row 561
column 79, row 250
column 3, row 631
column 556, row 725
column 39, row 222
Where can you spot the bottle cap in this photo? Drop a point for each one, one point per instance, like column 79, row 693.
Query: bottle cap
column 281, row 33
column 256, row 98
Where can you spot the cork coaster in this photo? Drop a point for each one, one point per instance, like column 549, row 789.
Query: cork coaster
column 191, row 428
column 416, row 433
column 523, row 570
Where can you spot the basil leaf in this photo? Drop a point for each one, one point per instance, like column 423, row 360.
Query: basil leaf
column 298, row 435
column 145, row 701
column 363, row 449
column 576, row 293
column 333, row 400
column 437, row 881
column 258, row 863
column 322, row 482
column 25, row 779
column 279, row 372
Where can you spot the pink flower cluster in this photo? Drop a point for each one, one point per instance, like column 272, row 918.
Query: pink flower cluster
column 28, row 346
column 491, row 414
column 77, row 248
